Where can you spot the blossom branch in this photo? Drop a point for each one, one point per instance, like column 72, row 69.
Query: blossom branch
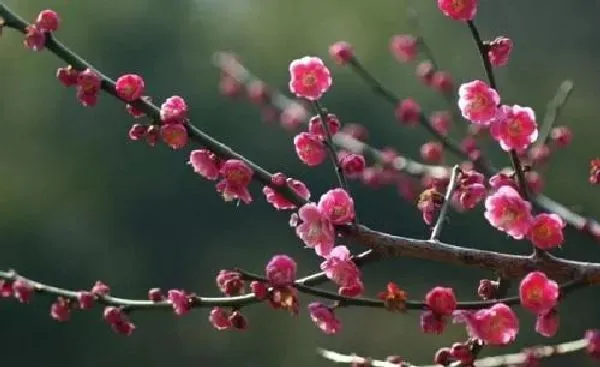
column 535, row 353
column 553, row 110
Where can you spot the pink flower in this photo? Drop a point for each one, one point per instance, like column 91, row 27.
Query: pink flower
column 478, row 102
column 315, row 126
column 205, row 163
column 47, row 21
column 338, row 206
column 22, row 290
column 440, row 121
column 547, row 324
column 546, row 231
column 339, row 267
column 137, row 132
column 118, row 321
column 404, row 47
column 592, row 336
column 35, row 39
column 408, row 112
column 561, row 136
column 281, row 270
column 497, row 325
column 260, row 290
column 309, row 78
column 310, row 149
column 503, row 179
column 499, row 51
column 316, row 230
column 441, row 301
column 219, row 318
column 341, row 52
column 432, row 323
column 61, row 310
column 470, row 191
column 461, row 10
column 279, row 202
column 173, row 110
column 515, row 128
column 432, row 151
column 293, row 116
column 67, row 76
column 129, row 87
column 508, row 212
column 230, row 283
column 352, row 164
column 174, row 135
column 442, row 81
column 324, row 318
column 538, row 293
column 236, row 178
column 180, row 301
column 86, row 300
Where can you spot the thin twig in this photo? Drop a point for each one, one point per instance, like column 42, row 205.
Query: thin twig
column 437, row 229
column 553, row 109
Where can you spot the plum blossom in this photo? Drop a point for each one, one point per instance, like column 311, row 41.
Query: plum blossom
column 515, row 128
column 507, row 211
column 538, row 293
column 324, row 318
column 478, row 102
column 309, row 78
column 497, row 325
column 339, row 267
column 316, row 230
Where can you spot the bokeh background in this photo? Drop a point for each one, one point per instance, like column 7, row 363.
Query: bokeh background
column 80, row 202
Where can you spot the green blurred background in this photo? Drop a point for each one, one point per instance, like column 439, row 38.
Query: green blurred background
column 80, row 202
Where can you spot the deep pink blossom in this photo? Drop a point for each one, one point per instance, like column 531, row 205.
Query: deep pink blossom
column 432, row 151
column 432, row 323
column 86, row 300
column 279, row 202
column 341, row 52
column 546, row 231
column 129, row 87
column 260, row 289
column 461, row 10
column 22, row 290
column 352, row 164
column 515, row 128
column 547, row 324
column 440, row 121
column 173, row 110
column 443, row 82
column 497, row 325
column 478, row 102
column 337, row 205
column 499, row 51
column 47, row 21
column 180, row 301
column 508, row 212
column 230, row 283
column 316, row 230
column 470, row 190
column 309, row 78
column 236, row 178
column 339, row 267
column 155, row 295
column 408, row 112
column 310, row 149
column 67, row 76
column 174, row 135
column 441, row 301
column 425, row 72
column 35, row 39
column 137, row 132
column 503, row 178
column 404, row 47
column 538, row 293
column 324, row 318
column 118, row 320
column 592, row 336
column 561, row 136
column 281, row 270
column 205, row 163
column 219, row 318
column 60, row 310
column 315, row 126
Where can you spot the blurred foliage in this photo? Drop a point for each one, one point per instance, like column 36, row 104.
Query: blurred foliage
column 80, row 202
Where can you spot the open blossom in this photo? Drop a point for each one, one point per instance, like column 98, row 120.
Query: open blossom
column 461, row 10
column 515, row 128
column 338, row 206
column 478, row 102
column 339, row 267
column 281, row 270
column 279, row 202
column 538, row 293
column 546, row 231
column 174, row 135
column 129, row 87
column 499, row 51
column 470, row 190
column 180, row 301
column 324, row 318
column 309, row 78
column 497, row 325
column 236, row 178
column 316, row 230
column 47, row 21
column 310, row 149
column 173, row 110
column 219, row 318
column 205, row 163
column 230, row 283
column 404, row 47
column 508, row 212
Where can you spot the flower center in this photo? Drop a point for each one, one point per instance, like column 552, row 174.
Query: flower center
column 458, row 5
column 236, row 177
column 542, row 232
column 514, row 127
column 479, row 102
column 309, row 79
